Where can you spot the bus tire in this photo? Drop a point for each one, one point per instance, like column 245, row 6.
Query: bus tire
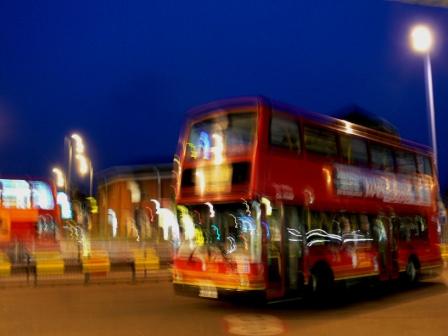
column 411, row 274
column 321, row 281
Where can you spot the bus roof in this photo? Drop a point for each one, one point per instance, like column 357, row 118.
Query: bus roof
column 328, row 121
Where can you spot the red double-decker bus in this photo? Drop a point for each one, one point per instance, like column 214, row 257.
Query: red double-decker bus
column 273, row 200
column 28, row 211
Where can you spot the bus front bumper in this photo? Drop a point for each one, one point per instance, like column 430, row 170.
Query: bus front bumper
column 219, row 293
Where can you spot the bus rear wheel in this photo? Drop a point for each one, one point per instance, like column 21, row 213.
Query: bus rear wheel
column 411, row 272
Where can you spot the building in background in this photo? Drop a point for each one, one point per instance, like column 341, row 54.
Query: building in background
column 129, row 198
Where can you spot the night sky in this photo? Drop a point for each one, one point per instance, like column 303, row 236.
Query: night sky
column 123, row 73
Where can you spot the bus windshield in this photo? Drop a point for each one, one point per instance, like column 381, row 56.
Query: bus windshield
column 225, row 134
column 229, row 231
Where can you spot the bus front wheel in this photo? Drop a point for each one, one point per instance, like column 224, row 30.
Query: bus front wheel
column 320, row 282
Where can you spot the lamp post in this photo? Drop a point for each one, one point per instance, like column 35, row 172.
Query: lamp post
column 76, row 145
column 422, row 42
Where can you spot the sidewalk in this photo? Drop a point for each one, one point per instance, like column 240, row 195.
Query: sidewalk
column 104, row 262
column 78, row 278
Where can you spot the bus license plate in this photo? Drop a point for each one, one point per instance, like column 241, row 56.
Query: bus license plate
column 208, row 292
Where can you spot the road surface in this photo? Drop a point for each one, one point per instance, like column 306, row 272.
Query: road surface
column 153, row 309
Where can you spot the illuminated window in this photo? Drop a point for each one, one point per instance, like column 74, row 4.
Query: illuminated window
column 112, row 221
column 236, row 132
column 16, row 194
column 42, row 195
column 64, row 203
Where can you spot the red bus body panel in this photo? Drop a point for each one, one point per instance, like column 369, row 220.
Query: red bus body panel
column 308, row 180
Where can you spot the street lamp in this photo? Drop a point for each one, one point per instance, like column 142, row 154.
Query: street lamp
column 85, row 165
column 60, row 180
column 75, row 144
column 79, row 148
column 422, row 42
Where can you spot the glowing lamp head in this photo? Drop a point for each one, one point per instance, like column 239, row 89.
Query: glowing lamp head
column 60, row 180
column 83, row 164
column 421, row 39
column 79, row 144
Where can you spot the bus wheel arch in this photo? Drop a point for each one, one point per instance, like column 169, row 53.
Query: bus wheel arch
column 321, row 278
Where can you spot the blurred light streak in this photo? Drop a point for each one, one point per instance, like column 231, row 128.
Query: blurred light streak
column 60, row 179
column 83, row 166
column 267, row 203
column 212, row 212
column 79, row 144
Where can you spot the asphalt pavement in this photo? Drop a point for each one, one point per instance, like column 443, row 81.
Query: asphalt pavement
column 151, row 308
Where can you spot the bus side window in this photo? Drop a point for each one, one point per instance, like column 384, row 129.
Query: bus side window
column 405, row 162
column 379, row 231
column 320, row 141
column 381, row 157
column 314, row 234
column 404, row 231
column 284, row 133
column 424, row 165
column 364, row 226
column 354, row 150
column 422, row 228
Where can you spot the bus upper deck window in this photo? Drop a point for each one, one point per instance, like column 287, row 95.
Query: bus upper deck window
column 405, row 162
column 284, row 133
column 424, row 165
column 320, row 141
column 381, row 157
column 227, row 134
column 354, row 150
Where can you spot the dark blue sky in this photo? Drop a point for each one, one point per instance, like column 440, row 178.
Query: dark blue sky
column 123, row 73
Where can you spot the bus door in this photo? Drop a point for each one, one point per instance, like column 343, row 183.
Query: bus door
column 386, row 238
column 293, row 244
column 285, row 253
column 273, row 251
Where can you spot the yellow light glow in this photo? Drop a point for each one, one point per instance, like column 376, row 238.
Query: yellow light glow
column 327, row 174
column 187, row 222
column 60, row 180
column 218, row 149
column 201, row 181
column 79, row 144
column 83, row 165
column 348, row 127
column 421, row 39
column 199, row 237
column 267, row 204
